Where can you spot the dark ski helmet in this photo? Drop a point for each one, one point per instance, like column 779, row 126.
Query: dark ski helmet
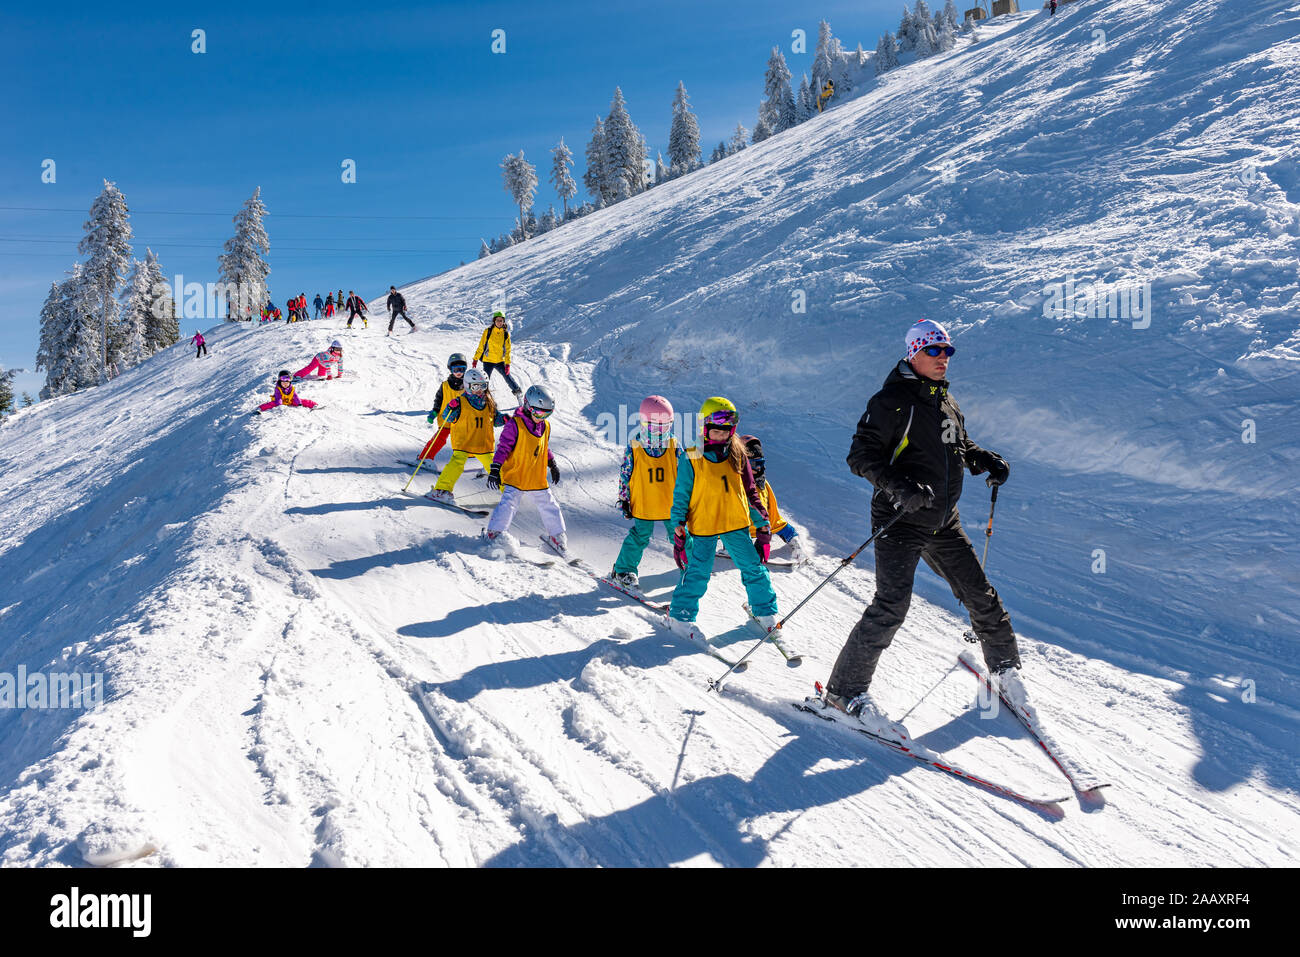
column 538, row 402
column 754, row 450
column 285, row 374
column 457, row 359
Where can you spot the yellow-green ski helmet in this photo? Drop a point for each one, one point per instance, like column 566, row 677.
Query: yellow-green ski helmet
column 717, row 411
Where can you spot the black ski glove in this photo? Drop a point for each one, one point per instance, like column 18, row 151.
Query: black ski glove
column 494, row 478
column 625, row 506
column 763, row 543
column 911, row 496
column 555, row 474
column 982, row 460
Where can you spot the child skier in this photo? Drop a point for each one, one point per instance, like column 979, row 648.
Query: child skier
column 520, row 466
column 716, row 499
column 473, row 419
column 767, row 495
column 285, row 394
column 449, row 390
column 494, row 350
column 645, row 485
column 199, row 341
column 323, row 362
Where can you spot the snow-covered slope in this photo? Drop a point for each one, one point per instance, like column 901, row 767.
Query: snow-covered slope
column 305, row 667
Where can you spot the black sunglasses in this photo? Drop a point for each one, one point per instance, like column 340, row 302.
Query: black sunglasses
column 938, row 350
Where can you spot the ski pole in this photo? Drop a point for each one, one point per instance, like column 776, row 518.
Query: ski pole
column 988, row 532
column 844, row 563
column 969, row 635
column 417, row 468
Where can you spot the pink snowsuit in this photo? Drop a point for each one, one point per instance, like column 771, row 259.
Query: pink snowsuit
column 321, row 363
column 280, row 397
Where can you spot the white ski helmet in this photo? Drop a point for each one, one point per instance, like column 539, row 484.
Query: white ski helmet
column 476, row 381
column 537, row 399
column 336, row 345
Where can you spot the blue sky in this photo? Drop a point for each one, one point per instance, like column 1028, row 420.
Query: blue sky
column 285, row 93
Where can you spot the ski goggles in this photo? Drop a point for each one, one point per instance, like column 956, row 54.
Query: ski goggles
column 720, row 420
column 478, row 388
column 758, row 465
column 657, row 428
column 457, row 369
column 539, row 413
column 935, row 351
column 286, row 378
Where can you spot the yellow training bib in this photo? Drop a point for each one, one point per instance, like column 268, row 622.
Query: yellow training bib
column 718, row 503
column 448, row 393
column 526, row 467
column 650, row 486
column 768, row 497
column 472, row 432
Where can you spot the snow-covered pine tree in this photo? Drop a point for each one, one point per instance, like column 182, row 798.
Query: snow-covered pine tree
column 162, row 323
column 561, row 179
column 822, row 66
column 739, row 140
column 483, row 251
column 804, row 106
column 6, row 391
column 661, row 171
column 763, row 128
column 886, row 53
column 841, row 72
column 861, row 54
column 70, row 350
column 519, row 179
column 945, row 33
column 683, row 135
column 780, row 111
column 624, row 150
column 927, row 41
column 719, row 152
column 906, row 32
column 949, row 13
column 137, row 297
column 240, row 267
column 549, row 220
column 596, row 176
column 107, row 243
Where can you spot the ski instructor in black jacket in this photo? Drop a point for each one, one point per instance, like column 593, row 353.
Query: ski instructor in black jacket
column 911, row 444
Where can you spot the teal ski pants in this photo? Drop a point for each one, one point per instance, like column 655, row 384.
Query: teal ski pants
column 634, row 544
column 700, row 553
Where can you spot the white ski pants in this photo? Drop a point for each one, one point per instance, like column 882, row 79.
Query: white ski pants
column 546, row 504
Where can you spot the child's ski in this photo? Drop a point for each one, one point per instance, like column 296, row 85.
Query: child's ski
column 479, row 513
column 793, row 659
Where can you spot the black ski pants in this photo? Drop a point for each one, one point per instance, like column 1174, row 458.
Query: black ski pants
column 393, row 318
column 491, row 367
column 949, row 553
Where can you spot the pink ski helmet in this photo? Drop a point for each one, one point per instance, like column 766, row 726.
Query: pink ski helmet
column 656, row 414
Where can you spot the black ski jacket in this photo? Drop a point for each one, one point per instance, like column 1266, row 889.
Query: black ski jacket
column 912, row 430
column 396, row 299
